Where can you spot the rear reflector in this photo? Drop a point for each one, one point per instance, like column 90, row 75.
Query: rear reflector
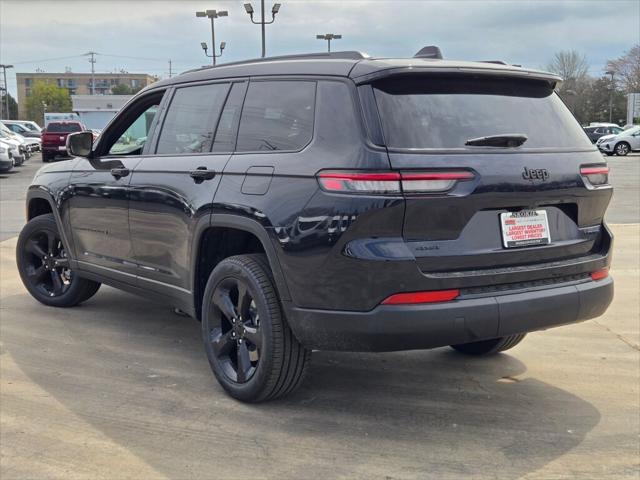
column 421, row 297
column 391, row 182
column 596, row 175
column 600, row 274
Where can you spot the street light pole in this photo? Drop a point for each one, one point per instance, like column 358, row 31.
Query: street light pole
column 249, row 9
column 612, row 73
column 212, row 14
column 328, row 37
column 5, row 104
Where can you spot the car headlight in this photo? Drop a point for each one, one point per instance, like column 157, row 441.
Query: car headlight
column 3, row 149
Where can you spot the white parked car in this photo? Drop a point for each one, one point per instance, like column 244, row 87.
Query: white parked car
column 19, row 149
column 7, row 161
column 33, row 126
column 31, row 145
column 621, row 144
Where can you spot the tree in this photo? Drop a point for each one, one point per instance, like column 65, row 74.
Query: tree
column 124, row 89
column 57, row 99
column 627, row 69
column 570, row 65
column 13, row 107
column 121, row 89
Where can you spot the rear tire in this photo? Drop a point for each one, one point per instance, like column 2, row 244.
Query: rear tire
column 44, row 268
column 251, row 349
column 489, row 347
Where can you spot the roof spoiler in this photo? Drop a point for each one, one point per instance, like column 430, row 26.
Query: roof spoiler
column 430, row 51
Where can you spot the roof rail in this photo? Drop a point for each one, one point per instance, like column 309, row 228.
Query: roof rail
column 497, row 62
column 430, row 51
column 346, row 55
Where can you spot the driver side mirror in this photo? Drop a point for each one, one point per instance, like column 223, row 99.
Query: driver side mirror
column 80, row 144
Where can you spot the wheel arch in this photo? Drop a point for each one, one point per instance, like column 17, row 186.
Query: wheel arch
column 256, row 237
column 41, row 202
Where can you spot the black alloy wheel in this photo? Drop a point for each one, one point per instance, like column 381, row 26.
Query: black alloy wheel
column 44, row 267
column 252, row 352
column 47, row 264
column 234, row 331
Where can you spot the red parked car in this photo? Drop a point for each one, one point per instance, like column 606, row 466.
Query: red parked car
column 54, row 138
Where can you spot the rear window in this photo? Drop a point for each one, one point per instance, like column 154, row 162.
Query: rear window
column 63, row 127
column 444, row 112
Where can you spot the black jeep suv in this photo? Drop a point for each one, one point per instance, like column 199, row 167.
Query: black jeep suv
column 332, row 201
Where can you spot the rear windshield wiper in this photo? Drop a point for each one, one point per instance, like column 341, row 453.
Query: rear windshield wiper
column 503, row 140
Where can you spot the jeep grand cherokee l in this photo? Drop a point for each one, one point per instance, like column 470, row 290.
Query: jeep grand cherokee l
column 332, row 201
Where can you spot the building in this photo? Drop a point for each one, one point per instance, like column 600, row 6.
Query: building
column 95, row 111
column 78, row 83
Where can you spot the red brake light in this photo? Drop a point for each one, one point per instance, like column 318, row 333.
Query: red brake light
column 600, row 274
column 596, row 175
column 392, row 182
column 421, row 297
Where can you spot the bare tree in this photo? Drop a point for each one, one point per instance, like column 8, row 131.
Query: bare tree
column 627, row 70
column 569, row 64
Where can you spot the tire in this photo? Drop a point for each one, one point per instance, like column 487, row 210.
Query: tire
column 251, row 349
column 622, row 149
column 43, row 266
column 45, row 157
column 489, row 347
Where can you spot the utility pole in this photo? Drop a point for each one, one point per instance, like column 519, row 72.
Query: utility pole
column 213, row 14
column 92, row 61
column 5, row 103
column 613, row 86
column 170, row 72
column 249, row 9
column 328, row 37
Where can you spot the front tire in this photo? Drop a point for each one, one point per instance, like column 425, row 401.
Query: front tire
column 489, row 347
column 43, row 265
column 622, row 149
column 251, row 349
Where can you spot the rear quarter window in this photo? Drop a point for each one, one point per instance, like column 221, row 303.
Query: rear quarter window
column 443, row 112
column 277, row 115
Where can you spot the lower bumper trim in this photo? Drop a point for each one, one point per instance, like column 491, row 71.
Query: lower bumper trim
column 409, row 327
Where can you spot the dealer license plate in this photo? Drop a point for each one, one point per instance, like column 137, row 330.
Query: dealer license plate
column 525, row 228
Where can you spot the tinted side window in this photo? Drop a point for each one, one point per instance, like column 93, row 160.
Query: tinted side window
column 228, row 124
column 277, row 115
column 191, row 119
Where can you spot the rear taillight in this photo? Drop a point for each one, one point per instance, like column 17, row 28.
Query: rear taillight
column 391, row 182
column 413, row 298
column 596, row 175
column 600, row 274
column 345, row 182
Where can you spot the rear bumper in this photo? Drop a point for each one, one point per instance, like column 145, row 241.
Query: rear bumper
column 407, row 327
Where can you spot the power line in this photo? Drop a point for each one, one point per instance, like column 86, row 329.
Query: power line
column 49, row 59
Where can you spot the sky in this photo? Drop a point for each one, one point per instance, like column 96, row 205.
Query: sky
column 140, row 36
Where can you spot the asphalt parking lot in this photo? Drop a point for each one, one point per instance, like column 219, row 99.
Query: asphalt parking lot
column 120, row 388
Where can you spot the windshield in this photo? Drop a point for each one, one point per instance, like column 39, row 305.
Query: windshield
column 444, row 112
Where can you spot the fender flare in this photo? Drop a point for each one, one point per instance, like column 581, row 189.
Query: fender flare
column 40, row 192
column 257, row 229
